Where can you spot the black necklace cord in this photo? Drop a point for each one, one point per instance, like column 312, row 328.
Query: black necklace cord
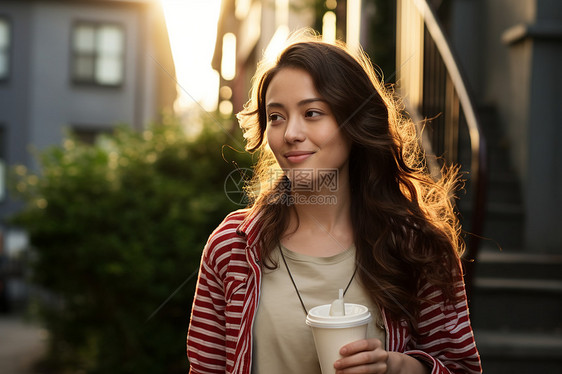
column 293, row 281
column 350, row 280
column 297, row 289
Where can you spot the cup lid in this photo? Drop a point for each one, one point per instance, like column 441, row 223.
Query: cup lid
column 355, row 315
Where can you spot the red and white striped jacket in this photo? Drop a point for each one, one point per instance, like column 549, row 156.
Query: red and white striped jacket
column 220, row 333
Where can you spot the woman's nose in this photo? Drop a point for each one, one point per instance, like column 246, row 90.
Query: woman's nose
column 294, row 132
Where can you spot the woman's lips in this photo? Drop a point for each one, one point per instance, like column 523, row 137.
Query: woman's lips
column 297, row 157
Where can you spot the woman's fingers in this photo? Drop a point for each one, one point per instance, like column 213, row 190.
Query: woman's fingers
column 360, row 345
column 362, row 356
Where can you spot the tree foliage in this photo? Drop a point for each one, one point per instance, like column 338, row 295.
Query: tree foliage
column 117, row 229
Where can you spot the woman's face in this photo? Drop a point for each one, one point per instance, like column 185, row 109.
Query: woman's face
column 301, row 130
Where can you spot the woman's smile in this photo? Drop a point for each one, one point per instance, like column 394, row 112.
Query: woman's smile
column 297, row 157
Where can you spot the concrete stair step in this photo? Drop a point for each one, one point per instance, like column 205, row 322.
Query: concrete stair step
column 504, row 223
column 500, row 209
column 511, row 263
column 504, row 187
column 498, row 159
column 495, row 208
column 522, row 353
column 517, row 304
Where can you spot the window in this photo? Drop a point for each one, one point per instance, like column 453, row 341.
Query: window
column 5, row 39
column 98, row 54
column 2, row 164
column 89, row 134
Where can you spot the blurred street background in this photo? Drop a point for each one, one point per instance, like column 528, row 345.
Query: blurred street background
column 119, row 148
column 22, row 345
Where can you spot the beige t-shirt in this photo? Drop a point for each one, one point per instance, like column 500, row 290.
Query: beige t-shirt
column 283, row 343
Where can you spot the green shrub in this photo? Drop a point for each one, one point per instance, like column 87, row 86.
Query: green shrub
column 117, row 229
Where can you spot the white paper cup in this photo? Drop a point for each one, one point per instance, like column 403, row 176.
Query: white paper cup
column 333, row 332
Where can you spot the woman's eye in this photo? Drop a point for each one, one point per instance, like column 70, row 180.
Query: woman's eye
column 274, row 117
column 312, row 113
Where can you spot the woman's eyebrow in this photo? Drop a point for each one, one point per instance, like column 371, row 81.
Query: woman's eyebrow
column 311, row 100
column 300, row 103
column 274, row 105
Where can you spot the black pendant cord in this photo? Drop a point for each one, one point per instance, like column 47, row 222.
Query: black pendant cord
column 295, row 285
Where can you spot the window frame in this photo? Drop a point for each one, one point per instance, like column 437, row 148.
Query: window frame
column 4, row 161
column 89, row 133
column 6, row 18
column 74, row 54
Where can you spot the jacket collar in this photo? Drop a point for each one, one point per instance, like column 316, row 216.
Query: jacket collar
column 250, row 226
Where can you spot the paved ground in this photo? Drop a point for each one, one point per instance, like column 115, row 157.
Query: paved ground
column 21, row 344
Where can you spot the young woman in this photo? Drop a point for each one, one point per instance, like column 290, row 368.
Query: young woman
column 344, row 202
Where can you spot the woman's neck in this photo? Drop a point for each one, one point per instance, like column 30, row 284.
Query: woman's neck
column 328, row 209
column 320, row 223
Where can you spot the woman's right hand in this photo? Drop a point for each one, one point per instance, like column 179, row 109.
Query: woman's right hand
column 369, row 356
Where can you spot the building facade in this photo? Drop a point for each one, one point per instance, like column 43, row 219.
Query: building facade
column 79, row 65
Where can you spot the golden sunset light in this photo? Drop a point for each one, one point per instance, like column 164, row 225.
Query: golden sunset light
column 192, row 27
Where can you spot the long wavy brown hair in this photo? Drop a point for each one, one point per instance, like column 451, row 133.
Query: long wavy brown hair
column 406, row 233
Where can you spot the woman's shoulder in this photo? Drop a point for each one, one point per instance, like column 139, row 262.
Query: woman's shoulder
column 229, row 227
column 226, row 243
column 235, row 217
